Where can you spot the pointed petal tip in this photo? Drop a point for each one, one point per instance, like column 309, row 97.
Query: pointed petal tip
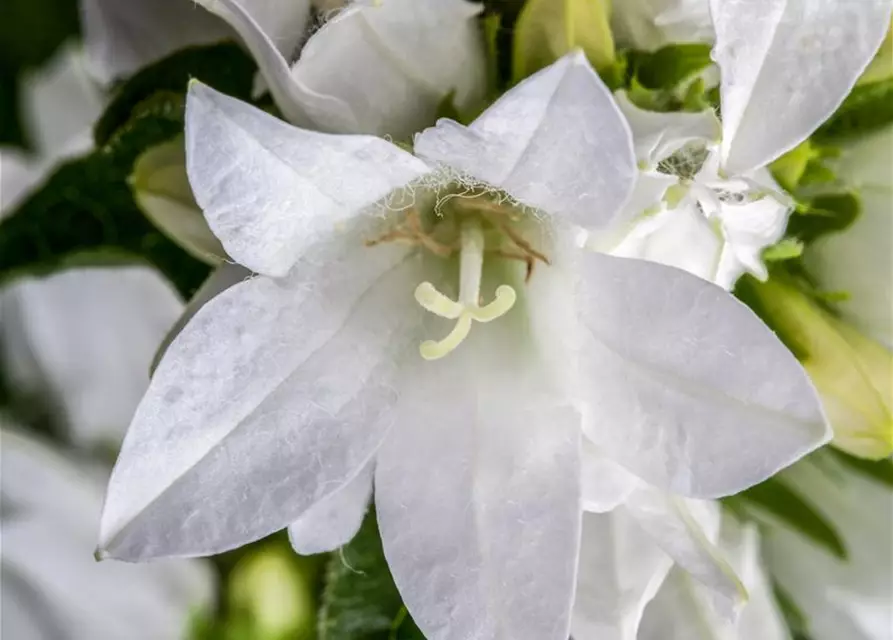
column 578, row 57
column 100, row 554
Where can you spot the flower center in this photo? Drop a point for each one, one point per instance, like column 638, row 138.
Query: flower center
column 474, row 228
column 467, row 308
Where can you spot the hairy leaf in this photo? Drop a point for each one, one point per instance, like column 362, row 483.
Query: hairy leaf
column 360, row 600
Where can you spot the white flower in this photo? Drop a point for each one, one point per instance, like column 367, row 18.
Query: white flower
column 59, row 105
column 287, row 393
column 51, row 585
column 652, row 24
column 122, row 37
column 683, row 211
column 841, row 598
column 786, row 65
column 684, row 610
column 704, row 201
column 628, row 587
column 628, row 550
column 81, row 342
column 378, row 68
column 858, row 259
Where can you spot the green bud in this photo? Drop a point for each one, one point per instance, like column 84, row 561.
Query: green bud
column 161, row 190
column 548, row 29
column 853, row 373
column 270, row 593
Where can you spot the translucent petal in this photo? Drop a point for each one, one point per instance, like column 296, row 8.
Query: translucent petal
column 221, row 279
column 269, row 190
column 683, row 609
column 556, row 141
column 335, row 520
column 80, row 341
column 621, row 570
column 678, row 237
column 120, row 38
column 657, row 135
column 274, row 395
column 477, row 493
column 651, row 24
column 273, row 62
column 392, row 64
column 674, row 527
column 605, row 484
column 786, row 65
column 50, row 509
column 675, row 372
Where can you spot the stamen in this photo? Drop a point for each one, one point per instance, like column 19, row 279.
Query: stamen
column 471, row 262
column 502, row 303
column 432, row 350
column 434, row 301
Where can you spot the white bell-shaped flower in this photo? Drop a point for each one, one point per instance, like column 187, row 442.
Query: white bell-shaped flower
column 430, row 322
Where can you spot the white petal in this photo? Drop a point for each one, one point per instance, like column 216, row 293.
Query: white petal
column 605, row 484
column 59, row 102
column 675, row 370
column 271, row 56
column 48, row 566
column 659, row 135
column 120, row 38
column 760, row 618
column 621, row 570
column 673, row 526
column 786, row 65
column 676, row 613
column 391, row 64
column 679, row 237
column 477, row 493
column 82, row 341
column 161, row 189
column 652, row 24
column 748, row 229
column 270, row 190
column 556, row 141
column 275, row 395
column 381, row 68
column 221, row 279
column 683, row 609
column 840, row 598
column 335, row 520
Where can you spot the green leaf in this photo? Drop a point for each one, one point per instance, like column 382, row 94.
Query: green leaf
column 85, row 209
column 829, row 213
column 787, row 249
column 879, row 470
column 548, row 29
column 669, row 66
column 360, row 600
column 790, row 168
column 793, row 615
column 83, row 212
column 869, row 107
column 226, row 67
column 774, row 497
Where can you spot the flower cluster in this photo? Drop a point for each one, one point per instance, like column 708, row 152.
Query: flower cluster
column 564, row 336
